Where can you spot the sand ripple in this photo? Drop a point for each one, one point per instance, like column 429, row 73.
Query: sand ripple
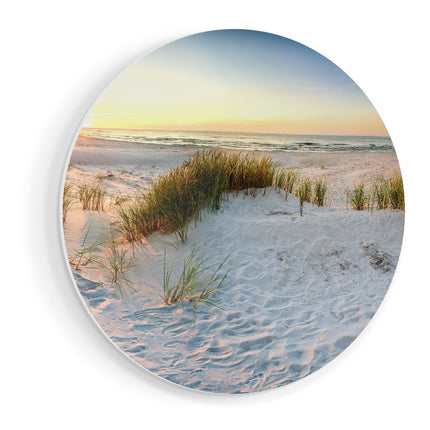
column 299, row 291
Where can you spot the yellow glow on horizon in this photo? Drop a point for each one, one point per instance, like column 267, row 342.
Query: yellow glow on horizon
column 153, row 96
column 340, row 125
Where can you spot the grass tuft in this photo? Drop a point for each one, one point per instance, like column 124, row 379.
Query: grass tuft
column 92, row 196
column 304, row 192
column 280, row 179
column 357, row 197
column 84, row 255
column 101, row 176
column 395, row 191
column 379, row 192
column 194, row 284
column 386, row 192
column 291, row 179
column 119, row 199
column 118, row 262
column 319, row 192
column 179, row 197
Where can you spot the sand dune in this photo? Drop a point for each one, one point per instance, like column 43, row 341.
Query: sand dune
column 298, row 291
column 132, row 166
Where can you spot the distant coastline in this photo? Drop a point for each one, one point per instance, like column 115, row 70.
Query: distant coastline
column 245, row 141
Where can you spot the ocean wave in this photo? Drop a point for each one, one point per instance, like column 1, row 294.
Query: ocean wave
column 251, row 142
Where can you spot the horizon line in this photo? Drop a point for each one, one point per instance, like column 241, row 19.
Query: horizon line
column 236, row 132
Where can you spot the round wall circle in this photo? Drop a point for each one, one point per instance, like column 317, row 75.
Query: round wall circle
column 232, row 211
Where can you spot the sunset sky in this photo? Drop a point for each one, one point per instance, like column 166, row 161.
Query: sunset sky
column 236, row 80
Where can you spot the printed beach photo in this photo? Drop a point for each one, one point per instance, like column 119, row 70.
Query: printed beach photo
column 233, row 211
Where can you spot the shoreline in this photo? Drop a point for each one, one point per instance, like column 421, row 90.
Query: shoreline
column 100, row 141
column 131, row 163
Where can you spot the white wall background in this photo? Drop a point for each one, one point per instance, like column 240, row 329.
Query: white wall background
column 58, row 371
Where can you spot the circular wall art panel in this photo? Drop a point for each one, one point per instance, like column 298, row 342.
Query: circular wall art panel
column 232, row 211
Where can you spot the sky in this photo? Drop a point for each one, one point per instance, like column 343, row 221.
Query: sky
column 240, row 81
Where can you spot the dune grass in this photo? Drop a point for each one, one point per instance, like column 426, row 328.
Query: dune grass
column 101, row 176
column 85, row 254
column 304, row 192
column 286, row 179
column 118, row 261
column 291, row 179
column 319, row 192
column 379, row 192
column 280, row 179
column 357, row 197
column 68, row 199
column 310, row 191
column 194, row 283
column 118, row 199
column 396, row 192
column 386, row 192
column 92, row 196
column 179, row 197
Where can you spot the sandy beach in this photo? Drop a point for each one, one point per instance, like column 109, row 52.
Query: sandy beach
column 133, row 166
column 298, row 289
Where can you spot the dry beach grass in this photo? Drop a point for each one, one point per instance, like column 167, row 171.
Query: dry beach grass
column 201, row 183
column 294, row 290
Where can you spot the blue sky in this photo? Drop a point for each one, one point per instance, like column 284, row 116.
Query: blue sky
column 237, row 80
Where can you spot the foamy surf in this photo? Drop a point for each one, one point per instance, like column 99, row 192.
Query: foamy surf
column 265, row 142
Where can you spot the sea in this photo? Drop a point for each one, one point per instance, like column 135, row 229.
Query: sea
column 246, row 141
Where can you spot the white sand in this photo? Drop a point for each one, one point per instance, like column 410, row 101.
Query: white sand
column 135, row 165
column 299, row 289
